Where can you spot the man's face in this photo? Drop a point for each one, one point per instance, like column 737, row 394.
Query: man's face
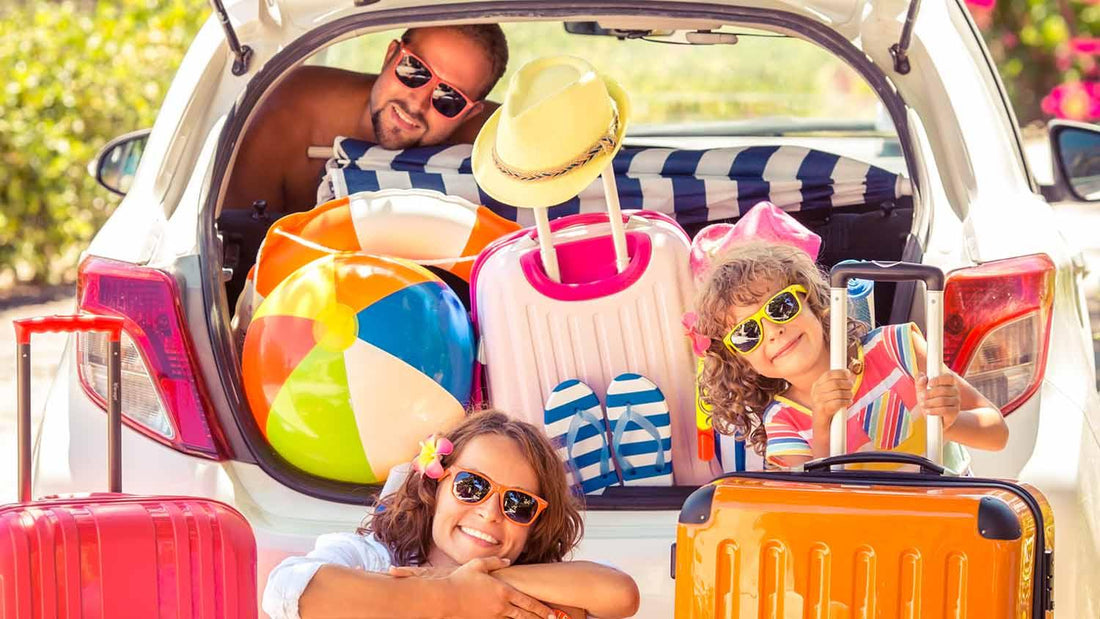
column 403, row 116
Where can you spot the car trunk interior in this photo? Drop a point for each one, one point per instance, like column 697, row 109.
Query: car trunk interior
column 870, row 231
column 865, row 232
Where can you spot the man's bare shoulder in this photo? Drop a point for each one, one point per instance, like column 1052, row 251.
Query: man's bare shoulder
column 316, row 87
column 309, row 107
column 330, row 77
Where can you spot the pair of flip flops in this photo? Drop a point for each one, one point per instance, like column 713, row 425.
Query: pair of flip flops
column 627, row 443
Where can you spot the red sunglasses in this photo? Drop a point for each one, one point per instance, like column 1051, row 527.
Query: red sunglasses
column 414, row 73
column 517, row 505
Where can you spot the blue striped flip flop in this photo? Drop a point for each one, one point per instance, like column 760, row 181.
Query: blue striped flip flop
column 641, row 431
column 576, row 425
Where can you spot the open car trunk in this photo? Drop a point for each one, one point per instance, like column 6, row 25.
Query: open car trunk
column 861, row 206
column 871, row 222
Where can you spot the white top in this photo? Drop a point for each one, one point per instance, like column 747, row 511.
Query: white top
column 288, row 580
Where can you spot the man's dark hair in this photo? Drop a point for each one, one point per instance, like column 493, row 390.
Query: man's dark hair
column 490, row 37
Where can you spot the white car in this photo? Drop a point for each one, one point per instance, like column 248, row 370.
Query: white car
column 911, row 90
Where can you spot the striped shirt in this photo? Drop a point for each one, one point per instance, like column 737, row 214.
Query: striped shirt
column 882, row 415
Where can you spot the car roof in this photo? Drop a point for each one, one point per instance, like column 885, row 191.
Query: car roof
column 950, row 84
column 843, row 16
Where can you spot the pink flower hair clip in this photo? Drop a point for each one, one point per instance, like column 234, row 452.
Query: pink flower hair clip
column 699, row 342
column 429, row 461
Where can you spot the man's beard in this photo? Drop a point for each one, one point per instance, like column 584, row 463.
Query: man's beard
column 387, row 136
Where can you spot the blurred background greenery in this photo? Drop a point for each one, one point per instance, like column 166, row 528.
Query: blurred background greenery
column 73, row 77
column 76, row 75
column 1046, row 52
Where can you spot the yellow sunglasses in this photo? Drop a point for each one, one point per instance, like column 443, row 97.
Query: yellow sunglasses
column 782, row 308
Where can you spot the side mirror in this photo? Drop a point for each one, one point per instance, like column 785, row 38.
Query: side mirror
column 1076, row 150
column 116, row 163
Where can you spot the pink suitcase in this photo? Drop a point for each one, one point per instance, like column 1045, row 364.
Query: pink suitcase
column 595, row 325
column 113, row 555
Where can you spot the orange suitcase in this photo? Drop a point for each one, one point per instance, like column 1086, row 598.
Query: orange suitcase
column 827, row 542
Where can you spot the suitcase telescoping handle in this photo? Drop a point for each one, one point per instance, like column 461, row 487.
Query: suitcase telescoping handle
column 24, row 328
column 933, row 279
column 614, row 217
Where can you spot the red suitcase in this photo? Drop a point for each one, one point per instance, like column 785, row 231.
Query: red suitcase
column 113, row 555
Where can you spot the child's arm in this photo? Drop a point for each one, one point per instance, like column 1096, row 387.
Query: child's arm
column 969, row 418
column 599, row 590
column 785, row 446
column 469, row 591
column 581, row 588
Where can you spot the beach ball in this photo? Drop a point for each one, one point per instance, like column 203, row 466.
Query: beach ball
column 352, row 360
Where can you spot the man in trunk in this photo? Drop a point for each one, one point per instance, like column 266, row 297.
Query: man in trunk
column 430, row 90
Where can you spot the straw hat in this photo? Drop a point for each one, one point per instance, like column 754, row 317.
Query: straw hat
column 559, row 127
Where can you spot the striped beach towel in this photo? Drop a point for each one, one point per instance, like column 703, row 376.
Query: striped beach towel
column 692, row 186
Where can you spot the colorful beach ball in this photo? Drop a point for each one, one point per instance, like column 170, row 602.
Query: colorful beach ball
column 354, row 359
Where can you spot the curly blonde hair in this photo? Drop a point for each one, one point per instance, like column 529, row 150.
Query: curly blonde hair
column 745, row 275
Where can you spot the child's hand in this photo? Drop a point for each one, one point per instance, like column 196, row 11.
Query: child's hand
column 421, row 572
column 831, row 393
column 476, row 593
column 939, row 397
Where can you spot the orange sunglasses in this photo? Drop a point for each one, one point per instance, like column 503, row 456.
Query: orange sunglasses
column 413, row 72
column 517, row 505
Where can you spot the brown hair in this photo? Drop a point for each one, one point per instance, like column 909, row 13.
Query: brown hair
column 744, row 276
column 405, row 523
column 491, row 39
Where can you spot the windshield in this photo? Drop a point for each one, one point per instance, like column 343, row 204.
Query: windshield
column 762, row 76
column 764, row 86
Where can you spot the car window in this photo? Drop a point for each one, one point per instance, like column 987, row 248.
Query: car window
column 764, row 85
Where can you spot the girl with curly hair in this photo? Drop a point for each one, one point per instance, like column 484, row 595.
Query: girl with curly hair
column 482, row 528
column 764, row 311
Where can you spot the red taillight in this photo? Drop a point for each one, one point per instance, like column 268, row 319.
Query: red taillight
column 997, row 326
column 160, row 392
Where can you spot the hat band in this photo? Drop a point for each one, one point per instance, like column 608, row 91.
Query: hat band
column 605, row 144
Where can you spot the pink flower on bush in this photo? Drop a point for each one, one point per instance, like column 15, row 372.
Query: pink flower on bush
column 982, row 11
column 1074, row 101
column 1085, row 45
column 1063, row 60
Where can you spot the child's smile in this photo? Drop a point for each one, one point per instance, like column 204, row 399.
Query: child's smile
column 479, row 537
column 787, row 347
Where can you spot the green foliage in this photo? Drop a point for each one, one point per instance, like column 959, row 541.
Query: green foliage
column 1044, row 49
column 72, row 78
